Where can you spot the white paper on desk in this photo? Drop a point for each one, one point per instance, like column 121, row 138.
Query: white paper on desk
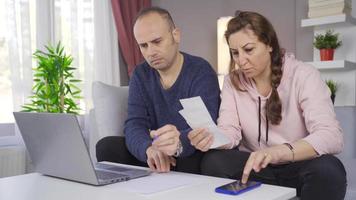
column 159, row 182
column 197, row 116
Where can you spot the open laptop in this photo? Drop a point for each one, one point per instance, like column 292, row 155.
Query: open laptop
column 57, row 148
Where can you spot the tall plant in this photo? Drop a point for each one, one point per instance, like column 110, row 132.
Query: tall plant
column 54, row 88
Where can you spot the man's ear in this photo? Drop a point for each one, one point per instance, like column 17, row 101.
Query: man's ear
column 176, row 35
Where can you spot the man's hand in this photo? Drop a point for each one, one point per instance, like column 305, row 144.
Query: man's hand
column 201, row 139
column 166, row 139
column 158, row 161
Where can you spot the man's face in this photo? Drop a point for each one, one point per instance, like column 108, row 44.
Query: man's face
column 157, row 42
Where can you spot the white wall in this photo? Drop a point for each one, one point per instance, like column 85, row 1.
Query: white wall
column 197, row 20
column 304, row 36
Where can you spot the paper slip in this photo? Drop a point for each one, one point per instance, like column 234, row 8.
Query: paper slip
column 198, row 116
column 159, row 182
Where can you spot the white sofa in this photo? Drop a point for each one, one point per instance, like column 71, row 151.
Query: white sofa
column 110, row 112
column 347, row 117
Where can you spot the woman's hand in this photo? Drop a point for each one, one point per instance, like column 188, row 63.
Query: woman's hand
column 201, row 139
column 261, row 159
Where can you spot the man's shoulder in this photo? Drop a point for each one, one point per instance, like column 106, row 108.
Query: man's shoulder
column 195, row 59
column 143, row 71
column 142, row 68
column 196, row 63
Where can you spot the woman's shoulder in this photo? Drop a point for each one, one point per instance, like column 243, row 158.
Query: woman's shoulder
column 233, row 80
column 294, row 67
column 228, row 81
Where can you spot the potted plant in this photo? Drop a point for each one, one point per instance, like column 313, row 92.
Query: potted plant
column 54, row 88
column 327, row 43
column 333, row 86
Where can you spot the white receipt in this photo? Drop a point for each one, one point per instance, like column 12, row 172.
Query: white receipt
column 197, row 116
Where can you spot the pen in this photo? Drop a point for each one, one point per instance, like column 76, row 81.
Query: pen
column 155, row 137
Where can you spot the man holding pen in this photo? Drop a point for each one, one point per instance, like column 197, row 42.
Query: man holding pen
column 155, row 132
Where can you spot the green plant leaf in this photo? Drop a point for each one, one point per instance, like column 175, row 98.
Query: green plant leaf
column 328, row 40
column 333, row 86
column 74, row 80
column 52, row 89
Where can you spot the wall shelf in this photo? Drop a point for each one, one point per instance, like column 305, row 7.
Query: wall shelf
column 343, row 68
column 333, row 64
column 343, row 18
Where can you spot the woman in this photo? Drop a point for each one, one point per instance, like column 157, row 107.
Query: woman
column 277, row 111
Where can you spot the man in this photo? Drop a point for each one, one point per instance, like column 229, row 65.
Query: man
column 155, row 132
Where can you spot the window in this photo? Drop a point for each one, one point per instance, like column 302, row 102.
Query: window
column 6, row 104
column 73, row 26
column 17, row 40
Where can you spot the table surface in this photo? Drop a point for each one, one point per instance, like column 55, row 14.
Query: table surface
column 36, row 186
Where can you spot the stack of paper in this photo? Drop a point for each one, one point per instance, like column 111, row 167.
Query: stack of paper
column 197, row 116
column 321, row 8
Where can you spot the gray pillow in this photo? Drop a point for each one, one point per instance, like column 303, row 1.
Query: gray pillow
column 110, row 106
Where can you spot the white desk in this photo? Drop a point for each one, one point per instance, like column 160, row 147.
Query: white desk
column 39, row 187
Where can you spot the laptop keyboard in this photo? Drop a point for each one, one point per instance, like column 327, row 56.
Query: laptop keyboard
column 125, row 171
column 102, row 166
column 105, row 175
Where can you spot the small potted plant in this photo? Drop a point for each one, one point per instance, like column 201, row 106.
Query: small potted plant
column 327, row 43
column 54, row 89
column 333, row 86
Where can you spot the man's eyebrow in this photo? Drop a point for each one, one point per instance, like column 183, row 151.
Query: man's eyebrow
column 157, row 39
column 154, row 40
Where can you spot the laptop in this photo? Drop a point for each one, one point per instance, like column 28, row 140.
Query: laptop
column 57, row 148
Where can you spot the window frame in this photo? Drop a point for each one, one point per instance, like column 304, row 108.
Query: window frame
column 8, row 135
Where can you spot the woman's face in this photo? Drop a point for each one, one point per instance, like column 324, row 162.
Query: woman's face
column 251, row 55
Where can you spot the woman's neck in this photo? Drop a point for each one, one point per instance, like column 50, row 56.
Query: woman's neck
column 263, row 82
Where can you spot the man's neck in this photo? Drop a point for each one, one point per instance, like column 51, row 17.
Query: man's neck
column 169, row 76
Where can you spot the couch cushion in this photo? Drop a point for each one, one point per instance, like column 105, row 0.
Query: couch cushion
column 110, row 105
column 351, row 178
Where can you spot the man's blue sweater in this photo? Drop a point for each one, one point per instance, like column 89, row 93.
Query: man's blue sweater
column 150, row 106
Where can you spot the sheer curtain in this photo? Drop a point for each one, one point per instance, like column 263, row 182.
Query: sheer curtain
column 85, row 28
column 20, row 56
column 74, row 27
column 106, row 49
column 16, row 60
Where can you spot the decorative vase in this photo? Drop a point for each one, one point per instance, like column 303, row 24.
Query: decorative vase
column 326, row 54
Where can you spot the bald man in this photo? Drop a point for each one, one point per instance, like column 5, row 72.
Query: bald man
column 155, row 132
